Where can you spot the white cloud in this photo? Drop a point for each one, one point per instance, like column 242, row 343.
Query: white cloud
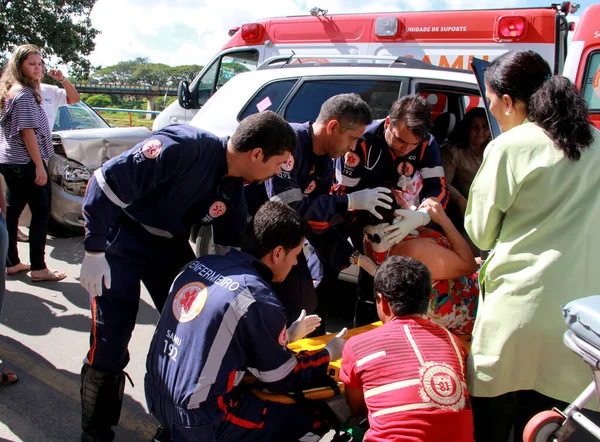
column 178, row 32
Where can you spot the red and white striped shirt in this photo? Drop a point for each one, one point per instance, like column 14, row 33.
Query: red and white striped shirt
column 412, row 373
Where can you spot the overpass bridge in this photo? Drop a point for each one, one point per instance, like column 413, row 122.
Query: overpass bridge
column 107, row 88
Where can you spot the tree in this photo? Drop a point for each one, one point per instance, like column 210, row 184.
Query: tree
column 99, row 100
column 61, row 28
column 120, row 73
column 152, row 74
column 185, row 72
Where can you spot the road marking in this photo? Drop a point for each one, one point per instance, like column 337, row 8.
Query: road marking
column 146, row 428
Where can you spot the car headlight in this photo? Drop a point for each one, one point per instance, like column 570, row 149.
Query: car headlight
column 71, row 175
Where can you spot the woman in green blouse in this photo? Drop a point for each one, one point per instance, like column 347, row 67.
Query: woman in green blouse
column 535, row 203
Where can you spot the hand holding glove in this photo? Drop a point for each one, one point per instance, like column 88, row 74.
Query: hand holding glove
column 406, row 221
column 93, row 269
column 370, row 199
column 336, row 345
column 367, row 264
column 302, row 326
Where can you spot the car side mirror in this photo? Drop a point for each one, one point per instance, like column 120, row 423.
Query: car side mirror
column 183, row 94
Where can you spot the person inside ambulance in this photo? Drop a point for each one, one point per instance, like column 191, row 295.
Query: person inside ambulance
column 222, row 320
column 305, row 182
column 138, row 209
column 397, row 149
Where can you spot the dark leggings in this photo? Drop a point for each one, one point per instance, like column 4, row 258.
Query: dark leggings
column 22, row 190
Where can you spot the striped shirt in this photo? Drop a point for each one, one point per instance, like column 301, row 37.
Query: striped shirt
column 412, row 373
column 23, row 112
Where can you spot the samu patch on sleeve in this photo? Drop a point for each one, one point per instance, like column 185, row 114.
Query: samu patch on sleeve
column 152, row 148
column 289, row 164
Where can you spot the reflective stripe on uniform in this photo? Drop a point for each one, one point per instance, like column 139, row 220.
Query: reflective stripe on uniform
column 287, row 197
column 276, row 374
column 237, row 309
column 432, row 172
column 107, row 190
column 346, row 180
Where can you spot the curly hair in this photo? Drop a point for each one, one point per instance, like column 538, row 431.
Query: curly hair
column 552, row 102
column 14, row 74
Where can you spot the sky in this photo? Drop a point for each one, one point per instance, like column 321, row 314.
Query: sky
column 178, row 32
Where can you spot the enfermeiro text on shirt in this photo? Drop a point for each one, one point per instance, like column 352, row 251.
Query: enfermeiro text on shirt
column 211, row 276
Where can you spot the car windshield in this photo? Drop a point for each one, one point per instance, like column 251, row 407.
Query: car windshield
column 78, row 116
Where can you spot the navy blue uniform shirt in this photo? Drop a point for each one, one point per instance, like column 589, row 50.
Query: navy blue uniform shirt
column 419, row 173
column 220, row 321
column 305, row 181
column 170, row 181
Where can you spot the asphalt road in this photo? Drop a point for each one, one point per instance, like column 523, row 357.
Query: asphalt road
column 44, row 336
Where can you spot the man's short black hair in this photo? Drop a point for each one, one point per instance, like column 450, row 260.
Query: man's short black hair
column 349, row 110
column 414, row 111
column 405, row 284
column 275, row 224
column 266, row 130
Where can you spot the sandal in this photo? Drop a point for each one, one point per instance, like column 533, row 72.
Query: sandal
column 5, row 376
column 22, row 267
column 51, row 275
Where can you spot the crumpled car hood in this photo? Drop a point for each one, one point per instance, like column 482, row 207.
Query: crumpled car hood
column 92, row 147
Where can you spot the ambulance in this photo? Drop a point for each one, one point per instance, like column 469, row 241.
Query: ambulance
column 444, row 38
column 582, row 65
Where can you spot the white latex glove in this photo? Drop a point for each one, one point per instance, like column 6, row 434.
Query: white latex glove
column 406, row 221
column 302, row 326
column 336, row 345
column 93, row 269
column 369, row 199
column 367, row 264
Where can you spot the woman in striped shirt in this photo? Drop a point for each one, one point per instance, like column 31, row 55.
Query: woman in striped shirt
column 25, row 146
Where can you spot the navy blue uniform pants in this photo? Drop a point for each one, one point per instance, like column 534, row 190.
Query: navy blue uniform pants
column 133, row 256
column 297, row 291
column 237, row 416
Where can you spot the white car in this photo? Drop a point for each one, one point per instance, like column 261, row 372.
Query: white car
column 296, row 89
column 83, row 141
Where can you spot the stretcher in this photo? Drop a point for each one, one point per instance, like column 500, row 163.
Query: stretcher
column 336, row 387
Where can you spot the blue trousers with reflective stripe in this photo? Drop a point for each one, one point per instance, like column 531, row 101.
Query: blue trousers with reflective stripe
column 134, row 256
column 245, row 418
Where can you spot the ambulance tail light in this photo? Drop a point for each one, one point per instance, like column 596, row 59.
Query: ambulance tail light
column 386, row 27
column 510, row 28
column 251, row 31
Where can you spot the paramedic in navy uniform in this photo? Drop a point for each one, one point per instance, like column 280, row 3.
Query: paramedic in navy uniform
column 222, row 320
column 138, row 209
column 399, row 150
column 305, row 182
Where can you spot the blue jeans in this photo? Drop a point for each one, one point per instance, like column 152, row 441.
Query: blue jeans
column 3, row 252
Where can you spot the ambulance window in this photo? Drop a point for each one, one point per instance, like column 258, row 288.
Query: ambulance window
column 307, row 101
column 269, row 97
column 591, row 83
column 224, row 69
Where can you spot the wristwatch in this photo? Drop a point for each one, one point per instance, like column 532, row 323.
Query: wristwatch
column 354, row 257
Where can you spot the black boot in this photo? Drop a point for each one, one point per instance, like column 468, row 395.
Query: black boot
column 101, row 400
